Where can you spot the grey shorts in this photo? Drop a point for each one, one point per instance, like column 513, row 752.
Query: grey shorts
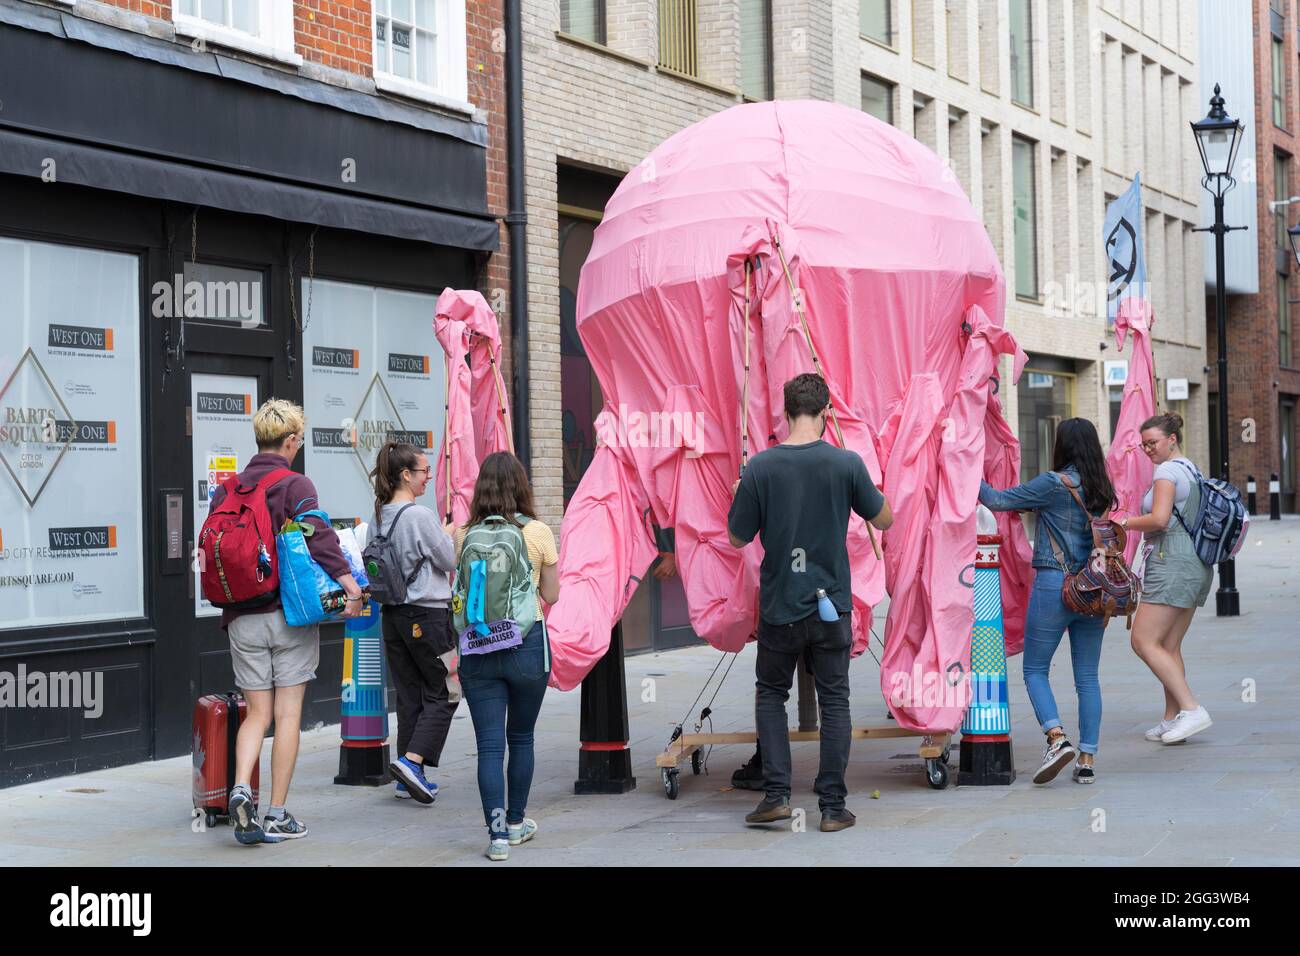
column 266, row 652
column 1174, row 575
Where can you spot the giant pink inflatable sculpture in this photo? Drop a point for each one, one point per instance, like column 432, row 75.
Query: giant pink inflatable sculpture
column 863, row 249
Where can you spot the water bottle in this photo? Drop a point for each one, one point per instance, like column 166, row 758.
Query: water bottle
column 825, row 609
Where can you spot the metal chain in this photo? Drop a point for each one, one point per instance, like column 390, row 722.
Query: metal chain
column 311, row 284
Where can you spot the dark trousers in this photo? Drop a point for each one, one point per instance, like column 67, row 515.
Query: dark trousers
column 779, row 648
column 415, row 637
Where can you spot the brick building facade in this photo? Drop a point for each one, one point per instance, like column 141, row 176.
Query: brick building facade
column 1008, row 92
column 1263, row 360
column 202, row 206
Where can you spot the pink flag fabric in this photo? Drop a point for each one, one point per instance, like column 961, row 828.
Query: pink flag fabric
column 864, row 233
column 478, row 422
column 1130, row 469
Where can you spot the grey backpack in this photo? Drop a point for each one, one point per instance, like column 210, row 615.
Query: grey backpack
column 384, row 565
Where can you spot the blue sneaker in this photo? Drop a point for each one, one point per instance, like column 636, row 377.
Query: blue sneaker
column 412, row 775
column 402, row 792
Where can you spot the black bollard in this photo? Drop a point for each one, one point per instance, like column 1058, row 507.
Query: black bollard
column 604, row 759
column 1250, row 495
column 1274, row 498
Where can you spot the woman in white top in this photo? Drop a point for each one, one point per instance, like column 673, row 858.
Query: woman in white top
column 1175, row 582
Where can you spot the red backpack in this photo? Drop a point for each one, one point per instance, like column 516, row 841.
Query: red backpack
column 237, row 547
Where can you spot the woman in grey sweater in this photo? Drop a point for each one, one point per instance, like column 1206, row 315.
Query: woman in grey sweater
column 417, row 632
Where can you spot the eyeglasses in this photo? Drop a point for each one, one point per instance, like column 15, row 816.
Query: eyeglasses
column 1150, row 445
column 421, row 471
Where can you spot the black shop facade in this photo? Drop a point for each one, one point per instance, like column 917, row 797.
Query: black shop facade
column 182, row 236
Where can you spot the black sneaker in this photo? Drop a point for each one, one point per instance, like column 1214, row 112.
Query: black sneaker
column 1056, row 758
column 770, row 811
column 1083, row 773
column 283, row 828
column 243, row 814
column 750, row 776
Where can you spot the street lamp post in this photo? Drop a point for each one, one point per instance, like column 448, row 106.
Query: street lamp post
column 1218, row 138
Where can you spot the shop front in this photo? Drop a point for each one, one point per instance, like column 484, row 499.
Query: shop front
column 182, row 237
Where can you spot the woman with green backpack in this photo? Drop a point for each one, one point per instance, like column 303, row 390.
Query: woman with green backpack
column 505, row 567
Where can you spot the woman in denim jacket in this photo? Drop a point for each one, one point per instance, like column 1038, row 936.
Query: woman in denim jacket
column 1076, row 458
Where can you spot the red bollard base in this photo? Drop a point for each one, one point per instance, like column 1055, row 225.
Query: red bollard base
column 986, row 761
column 363, row 766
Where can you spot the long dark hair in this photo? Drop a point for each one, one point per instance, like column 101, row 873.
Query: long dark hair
column 502, row 489
column 393, row 458
column 1077, row 444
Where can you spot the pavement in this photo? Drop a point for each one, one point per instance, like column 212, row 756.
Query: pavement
column 1228, row 797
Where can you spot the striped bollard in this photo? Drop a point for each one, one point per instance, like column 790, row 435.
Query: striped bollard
column 363, row 752
column 986, row 756
column 1250, row 495
column 1274, row 498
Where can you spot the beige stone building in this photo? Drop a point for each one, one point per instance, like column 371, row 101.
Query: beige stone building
column 1044, row 108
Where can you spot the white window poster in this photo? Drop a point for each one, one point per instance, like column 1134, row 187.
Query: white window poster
column 373, row 370
column 70, row 436
column 222, row 409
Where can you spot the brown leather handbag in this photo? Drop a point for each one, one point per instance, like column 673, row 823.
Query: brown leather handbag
column 1105, row 586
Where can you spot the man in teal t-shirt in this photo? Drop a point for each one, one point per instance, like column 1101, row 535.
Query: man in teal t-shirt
column 796, row 496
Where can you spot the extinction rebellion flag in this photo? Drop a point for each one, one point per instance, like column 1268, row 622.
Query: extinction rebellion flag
column 1126, row 269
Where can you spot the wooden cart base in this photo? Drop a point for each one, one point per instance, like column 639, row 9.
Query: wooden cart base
column 934, row 750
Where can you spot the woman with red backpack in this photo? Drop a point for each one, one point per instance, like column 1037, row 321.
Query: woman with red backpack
column 1063, row 542
column 1175, row 582
column 506, row 565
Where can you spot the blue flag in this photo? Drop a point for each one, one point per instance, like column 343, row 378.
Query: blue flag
column 1121, row 233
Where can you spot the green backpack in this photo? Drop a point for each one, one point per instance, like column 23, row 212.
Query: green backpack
column 509, row 593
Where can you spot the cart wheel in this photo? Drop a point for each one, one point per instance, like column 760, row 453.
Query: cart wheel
column 947, row 755
column 210, row 819
column 936, row 773
column 697, row 763
column 671, row 784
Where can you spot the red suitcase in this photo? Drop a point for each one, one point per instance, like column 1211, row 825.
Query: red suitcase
column 216, row 724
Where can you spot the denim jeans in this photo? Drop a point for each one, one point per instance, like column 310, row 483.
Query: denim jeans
column 504, row 690
column 779, row 648
column 1045, row 624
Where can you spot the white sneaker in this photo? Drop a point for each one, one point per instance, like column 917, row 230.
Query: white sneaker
column 498, row 850
column 517, row 833
column 1158, row 731
column 1187, row 722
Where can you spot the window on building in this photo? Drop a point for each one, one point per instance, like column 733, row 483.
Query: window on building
column 584, row 19
column 1283, row 321
column 1279, row 84
column 1281, row 191
column 70, row 436
column 678, row 28
column 1025, row 216
column 261, row 27
column 1022, row 57
column 756, row 48
column 874, row 20
column 878, row 98
column 420, row 48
